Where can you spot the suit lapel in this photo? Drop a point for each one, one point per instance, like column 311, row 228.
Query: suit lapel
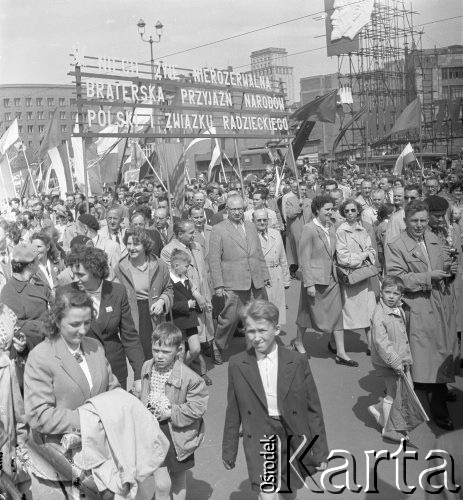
column 251, row 374
column 71, row 366
column 237, row 235
column 433, row 248
column 322, row 236
column 106, row 308
column 286, row 372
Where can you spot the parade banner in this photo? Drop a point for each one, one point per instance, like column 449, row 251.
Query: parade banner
column 175, row 102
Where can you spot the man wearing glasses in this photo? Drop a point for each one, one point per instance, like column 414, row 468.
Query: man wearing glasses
column 238, row 267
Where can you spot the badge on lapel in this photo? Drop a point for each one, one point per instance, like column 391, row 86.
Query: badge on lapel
column 109, row 309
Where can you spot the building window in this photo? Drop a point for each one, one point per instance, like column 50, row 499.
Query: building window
column 62, row 101
column 41, row 128
column 445, row 73
column 64, row 129
column 28, row 102
column 18, row 115
column 50, row 101
column 29, row 115
column 63, row 141
column 62, row 115
column 30, row 129
column 6, row 103
column 457, row 92
column 50, row 115
column 7, row 116
column 17, row 101
column 38, row 101
column 73, row 116
column 20, row 128
column 40, row 115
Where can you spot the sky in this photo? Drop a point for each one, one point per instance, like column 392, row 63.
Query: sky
column 36, row 36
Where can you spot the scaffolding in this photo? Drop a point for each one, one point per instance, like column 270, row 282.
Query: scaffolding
column 380, row 76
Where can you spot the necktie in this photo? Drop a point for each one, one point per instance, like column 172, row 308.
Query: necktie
column 78, row 357
column 118, row 241
column 187, row 285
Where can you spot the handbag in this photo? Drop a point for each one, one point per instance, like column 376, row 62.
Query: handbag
column 348, row 276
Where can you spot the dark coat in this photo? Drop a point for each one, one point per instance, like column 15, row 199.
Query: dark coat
column 298, row 404
column 29, row 301
column 115, row 329
column 183, row 316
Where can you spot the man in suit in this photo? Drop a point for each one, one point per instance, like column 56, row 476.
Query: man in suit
column 298, row 213
column 238, row 267
column 271, row 392
column 162, row 224
column 199, row 199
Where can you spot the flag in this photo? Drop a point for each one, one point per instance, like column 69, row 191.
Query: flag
column 9, row 137
column 172, row 158
column 51, row 137
column 409, row 118
column 7, row 188
column 209, row 131
column 215, row 157
column 405, row 157
column 344, row 129
column 60, row 165
column 321, row 109
column 301, row 137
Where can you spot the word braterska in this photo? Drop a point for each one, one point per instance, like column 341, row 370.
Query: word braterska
column 432, row 480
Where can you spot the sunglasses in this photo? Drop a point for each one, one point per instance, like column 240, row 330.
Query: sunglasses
column 350, row 210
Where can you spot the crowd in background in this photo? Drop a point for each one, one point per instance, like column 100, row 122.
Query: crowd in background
column 142, row 261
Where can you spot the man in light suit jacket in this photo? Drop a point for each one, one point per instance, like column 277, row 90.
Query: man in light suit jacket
column 271, row 392
column 238, row 267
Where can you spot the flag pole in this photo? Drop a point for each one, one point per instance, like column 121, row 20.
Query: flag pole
column 367, row 131
column 151, row 166
column 23, row 149
column 421, row 139
column 237, row 154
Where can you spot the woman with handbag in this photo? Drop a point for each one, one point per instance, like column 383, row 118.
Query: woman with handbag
column 356, row 268
column 320, row 304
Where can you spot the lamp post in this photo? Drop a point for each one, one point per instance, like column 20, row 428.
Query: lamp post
column 141, row 30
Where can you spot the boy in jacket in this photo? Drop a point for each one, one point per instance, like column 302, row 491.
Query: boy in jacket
column 390, row 352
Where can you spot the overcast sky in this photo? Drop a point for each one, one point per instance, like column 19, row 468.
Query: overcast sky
column 36, row 36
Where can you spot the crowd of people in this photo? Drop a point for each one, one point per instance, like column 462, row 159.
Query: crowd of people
column 90, row 285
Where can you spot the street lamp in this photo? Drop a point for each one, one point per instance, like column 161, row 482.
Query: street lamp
column 141, row 30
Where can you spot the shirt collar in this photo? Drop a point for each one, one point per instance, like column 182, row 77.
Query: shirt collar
column 97, row 291
column 272, row 355
column 177, row 279
column 391, row 310
column 319, row 224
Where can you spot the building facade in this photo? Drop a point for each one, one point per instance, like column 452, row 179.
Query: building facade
column 273, row 63
column 33, row 106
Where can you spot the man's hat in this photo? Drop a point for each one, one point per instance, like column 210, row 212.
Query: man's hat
column 24, row 252
column 89, row 221
column 80, row 239
column 437, row 203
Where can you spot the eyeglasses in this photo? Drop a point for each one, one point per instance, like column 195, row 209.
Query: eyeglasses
column 261, row 220
column 236, row 209
column 410, row 197
column 350, row 210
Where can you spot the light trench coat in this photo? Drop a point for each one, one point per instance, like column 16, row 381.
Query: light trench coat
column 353, row 246
column 275, row 258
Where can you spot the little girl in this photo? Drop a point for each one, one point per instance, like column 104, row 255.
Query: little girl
column 177, row 397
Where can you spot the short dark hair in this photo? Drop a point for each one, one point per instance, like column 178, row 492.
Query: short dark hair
column 329, row 182
column 389, row 281
column 262, row 192
column 349, row 201
column 415, row 206
column 179, row 226
column 319, row 201
column 261, row 309
column 414, row 187
column 167, row 334
column 178, row 254
column 384, row 210
column 93, row 259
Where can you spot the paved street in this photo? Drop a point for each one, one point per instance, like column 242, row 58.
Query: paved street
column 345, row 394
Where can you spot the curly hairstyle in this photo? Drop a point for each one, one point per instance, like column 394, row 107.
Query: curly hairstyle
column 349, row 201
column 384, row 211
column 414, row 207
column 140, row 237
column 63, row 302
column 93, row 259
column 319, row 202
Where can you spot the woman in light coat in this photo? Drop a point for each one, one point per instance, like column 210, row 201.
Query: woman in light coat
column 275, row 258
column 355, row 249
